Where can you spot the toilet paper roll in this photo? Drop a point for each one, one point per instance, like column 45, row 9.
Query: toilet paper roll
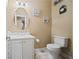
column 37, row 40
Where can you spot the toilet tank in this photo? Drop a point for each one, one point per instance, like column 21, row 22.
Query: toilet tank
column 61, row 41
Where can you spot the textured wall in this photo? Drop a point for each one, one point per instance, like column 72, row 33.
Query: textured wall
column 36, row 27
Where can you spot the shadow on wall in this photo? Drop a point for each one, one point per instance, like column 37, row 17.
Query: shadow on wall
column 67, row 53
column 69, row 46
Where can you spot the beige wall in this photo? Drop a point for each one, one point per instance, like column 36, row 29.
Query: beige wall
column 62, row 23
column 36, row 27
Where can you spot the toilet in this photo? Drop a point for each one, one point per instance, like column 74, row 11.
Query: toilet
column 52, row 50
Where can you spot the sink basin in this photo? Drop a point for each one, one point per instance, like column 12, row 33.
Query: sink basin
column 19, row 35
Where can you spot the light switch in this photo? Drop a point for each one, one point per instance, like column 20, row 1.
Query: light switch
column 45, row 19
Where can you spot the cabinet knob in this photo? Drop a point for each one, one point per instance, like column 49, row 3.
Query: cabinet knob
column 7, row 38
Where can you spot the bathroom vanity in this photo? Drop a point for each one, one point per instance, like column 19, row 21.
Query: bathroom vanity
column 20, row 46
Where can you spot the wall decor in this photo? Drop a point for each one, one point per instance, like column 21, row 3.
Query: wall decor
column 20, row 4
column 36, row 12
column 57, row 1
column 62, row 9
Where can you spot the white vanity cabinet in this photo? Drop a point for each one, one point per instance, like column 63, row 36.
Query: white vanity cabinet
column 20, row 49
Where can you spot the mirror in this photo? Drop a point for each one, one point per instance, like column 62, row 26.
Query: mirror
column 20, row 21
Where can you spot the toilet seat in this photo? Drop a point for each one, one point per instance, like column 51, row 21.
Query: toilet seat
column 53, row 47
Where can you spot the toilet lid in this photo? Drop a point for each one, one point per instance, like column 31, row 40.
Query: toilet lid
column 51, row 46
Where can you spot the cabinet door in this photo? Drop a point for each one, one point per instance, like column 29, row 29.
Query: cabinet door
column 28, row 49
column 16, row 49
column 9, row 49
